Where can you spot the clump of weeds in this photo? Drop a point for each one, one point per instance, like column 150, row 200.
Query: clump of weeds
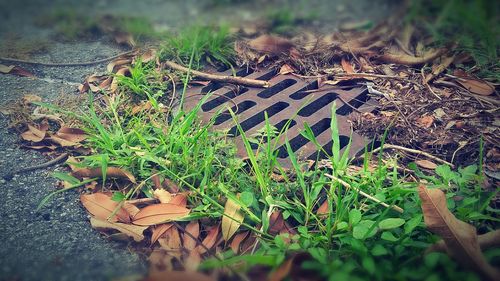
column 199, row 44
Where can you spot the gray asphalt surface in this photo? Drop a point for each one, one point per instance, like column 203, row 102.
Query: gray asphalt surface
column 58, row 243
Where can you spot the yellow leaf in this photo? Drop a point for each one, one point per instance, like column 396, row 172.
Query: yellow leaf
column 162, row 195
column 231, row 220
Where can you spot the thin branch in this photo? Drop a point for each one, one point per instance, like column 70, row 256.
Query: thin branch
column 414, row 151
column 67, row 64
column 47, row 164
column 220, row 78
column 346, row 185
column 142, row 201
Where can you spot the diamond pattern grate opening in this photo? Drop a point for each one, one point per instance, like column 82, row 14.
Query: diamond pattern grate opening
column 289, row 97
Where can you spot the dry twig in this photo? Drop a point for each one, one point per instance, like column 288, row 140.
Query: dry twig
column 219, row 78
column 47, row 164
column 70, row 63
column 414, row 151
column 346, row 185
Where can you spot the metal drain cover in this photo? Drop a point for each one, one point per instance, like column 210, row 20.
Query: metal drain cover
column 288, row 97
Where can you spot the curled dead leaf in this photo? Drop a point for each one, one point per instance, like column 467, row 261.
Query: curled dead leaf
column 133, row 231
column 111, row 172
column 117, row 64
column 35, row 134
column 405, row 59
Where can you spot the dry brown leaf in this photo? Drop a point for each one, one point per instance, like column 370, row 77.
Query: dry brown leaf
column 116, row 64
column 286, row 69
column 62, row 142
column 69, row 136
column 347, row 66
column 162, row 195
column 474, row 85
column 425, row 121
column 439, row 68
column 141, row 107
column 148, row 56
column 192, row 261
column 170, row 186
column 160, row 262
column 231, row 220
column 402, row 58
column 16, row 70
column 160, row 213
column 34, row 134
column 273, row 45
column 156, row 181
column 210, row 239
column 282, row 271
column 111, row 172
column 134, row 231
column 114, row 82
column 426, row 164
column 236, row 242
column 102, row 207
column 159, row 230
column 179, row 199
column 486, row 241
column 323, row 209
column 171, row 241
column 83, row 88
column 460, row 238
column 276, row 223
column 29, row 99
column 131, row 208
column 105, row 83
column 192, row 228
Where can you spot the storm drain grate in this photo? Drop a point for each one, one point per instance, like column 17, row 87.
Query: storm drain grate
column 288, row 97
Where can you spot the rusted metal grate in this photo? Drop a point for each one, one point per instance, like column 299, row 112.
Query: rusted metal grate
column 288, row 97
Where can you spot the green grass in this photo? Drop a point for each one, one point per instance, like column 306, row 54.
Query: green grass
column 205, row 44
